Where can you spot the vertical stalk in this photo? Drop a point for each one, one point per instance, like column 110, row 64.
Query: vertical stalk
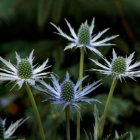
column 67, row 113
column 81, row 64
column 108, row 102
column 80, row 77
column 35, row 111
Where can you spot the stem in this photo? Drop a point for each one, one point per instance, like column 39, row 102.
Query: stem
column 108, row 102
column 35, row 111
column 67, row 112
column 80, row 77
column 81, row 64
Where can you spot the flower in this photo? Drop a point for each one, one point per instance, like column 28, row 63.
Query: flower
column 67, row 93
column 84, row 38
column 119, row 67
column 7, row 133
column 24, row 71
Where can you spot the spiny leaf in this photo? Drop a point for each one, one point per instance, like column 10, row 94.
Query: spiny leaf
column 2, row 127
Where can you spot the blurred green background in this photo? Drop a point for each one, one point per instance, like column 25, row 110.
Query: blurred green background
column 25, row 25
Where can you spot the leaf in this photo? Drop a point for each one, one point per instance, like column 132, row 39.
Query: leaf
column 2, row 127
column 121, row 137
column 125, row 136
column 97, row 122
column 94, row 135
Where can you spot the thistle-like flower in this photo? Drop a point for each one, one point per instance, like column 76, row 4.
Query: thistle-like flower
column 7, row 133
column 67, row 93
column 24, row 71
column 119, row 67
column 84, row 38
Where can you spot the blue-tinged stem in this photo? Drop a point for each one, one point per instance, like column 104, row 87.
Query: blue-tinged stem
column 67, row 113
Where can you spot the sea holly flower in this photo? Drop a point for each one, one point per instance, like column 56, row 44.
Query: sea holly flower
column 119, row 67
column 24, row 71
column 7, row 133
column 85, row 37
column 67, row 93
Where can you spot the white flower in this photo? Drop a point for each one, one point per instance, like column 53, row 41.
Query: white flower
column 119, row 66
column 67, row 93
column 7, row 133
column 84, row 37
column 24, row 71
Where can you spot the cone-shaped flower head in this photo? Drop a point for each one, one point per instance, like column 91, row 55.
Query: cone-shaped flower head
column 67, row 90
column 67, row 93
column 85, row 37
column 7, row 133
column 119, row 66
column 84, row 34
column 24, row 71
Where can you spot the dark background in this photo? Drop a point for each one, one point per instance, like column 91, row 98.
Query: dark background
column 25, row 25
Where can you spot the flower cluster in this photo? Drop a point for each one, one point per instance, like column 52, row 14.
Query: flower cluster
column 119, row 67
column 24, row 71
column 67, row 93
column 85, row 38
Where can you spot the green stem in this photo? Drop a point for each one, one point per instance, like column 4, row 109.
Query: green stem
column 35, row 111
column 81, row 64
column 80, row 77
column 108, row 102
column 67, row 112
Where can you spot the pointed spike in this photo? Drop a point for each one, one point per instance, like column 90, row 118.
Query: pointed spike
column 67, row 76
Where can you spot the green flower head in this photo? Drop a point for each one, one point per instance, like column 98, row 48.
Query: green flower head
column 85, row 37
column 24, row 71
